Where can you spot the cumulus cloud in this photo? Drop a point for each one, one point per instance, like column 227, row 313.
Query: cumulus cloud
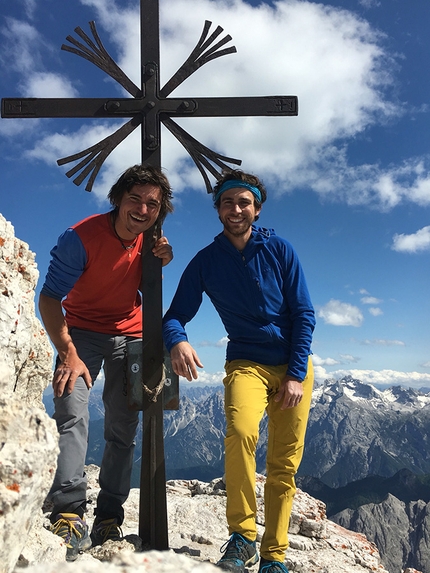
column 221, row 343
column 419, row 241
column 318, row 361
column 21, row 47
column 46, row 84
column 339, row 313
column 337, row 100
column 375, row 311
column 205, row 378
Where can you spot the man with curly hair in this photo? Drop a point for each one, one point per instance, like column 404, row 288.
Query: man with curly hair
column 91, row 307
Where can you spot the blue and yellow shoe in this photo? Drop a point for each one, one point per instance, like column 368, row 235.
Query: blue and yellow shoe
column 105, row 529
column 239, row 553
column 271, row 567
column 74, row 531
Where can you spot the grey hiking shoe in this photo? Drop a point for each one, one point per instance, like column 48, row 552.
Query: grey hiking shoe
column 239, row 553
column 105, row 529
column 74, row 531
column 271, row 567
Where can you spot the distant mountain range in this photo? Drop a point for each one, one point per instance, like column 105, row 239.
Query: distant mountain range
column 404, row 485
column 357, row 431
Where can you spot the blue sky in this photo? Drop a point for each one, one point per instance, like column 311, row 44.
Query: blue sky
column 348, row 179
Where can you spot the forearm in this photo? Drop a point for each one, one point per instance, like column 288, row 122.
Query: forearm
column 173, row 332
column 301, row 340
column 56, row 326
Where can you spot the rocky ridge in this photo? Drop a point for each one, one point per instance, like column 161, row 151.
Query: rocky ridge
column 400, row 530
column 25, row 347
column 28, row 437
column 197, row 530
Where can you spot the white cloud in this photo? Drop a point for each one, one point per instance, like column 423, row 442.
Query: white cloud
column 386, row 377
column 419, row 241
column 205, row 378
column 340, row 313
column 280, row 50
column 221, row 343
column 20, row 50
column 30, row 7
column 45, row 84
column 338, row 100
column 375, row 311
column 369, row 3
column 383, row 342
column 349, row 358
column 370, row 300
column 52, row 147
column 318, row 361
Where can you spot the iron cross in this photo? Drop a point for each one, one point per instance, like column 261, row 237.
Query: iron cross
column 148, row 107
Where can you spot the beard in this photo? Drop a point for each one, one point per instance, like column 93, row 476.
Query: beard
column 237, row 230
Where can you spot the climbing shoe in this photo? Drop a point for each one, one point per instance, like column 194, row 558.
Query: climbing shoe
column 239, row 553
column 74, row 531
column 271, row 567
column 105, row 529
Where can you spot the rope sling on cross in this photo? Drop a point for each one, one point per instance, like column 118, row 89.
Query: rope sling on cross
column 148, row 107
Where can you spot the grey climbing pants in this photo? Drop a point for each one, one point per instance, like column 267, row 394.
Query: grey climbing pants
column 68, row 492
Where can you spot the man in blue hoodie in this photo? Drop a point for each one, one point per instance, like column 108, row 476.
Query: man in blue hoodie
column 256, row 283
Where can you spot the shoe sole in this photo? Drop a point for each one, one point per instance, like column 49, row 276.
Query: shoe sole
column 251, row 561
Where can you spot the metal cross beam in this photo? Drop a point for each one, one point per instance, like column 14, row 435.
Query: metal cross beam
column 148, row 108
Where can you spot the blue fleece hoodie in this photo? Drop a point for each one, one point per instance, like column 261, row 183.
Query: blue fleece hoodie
column 260, row 295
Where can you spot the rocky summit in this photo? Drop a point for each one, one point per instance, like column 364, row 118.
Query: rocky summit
column 197, row 530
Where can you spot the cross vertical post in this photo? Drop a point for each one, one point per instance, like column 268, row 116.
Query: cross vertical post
column 153, row 525
column 148, row 107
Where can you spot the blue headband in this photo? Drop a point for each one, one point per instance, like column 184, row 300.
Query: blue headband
column 233, row 184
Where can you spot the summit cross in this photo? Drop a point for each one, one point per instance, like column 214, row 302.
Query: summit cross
column 149, row 107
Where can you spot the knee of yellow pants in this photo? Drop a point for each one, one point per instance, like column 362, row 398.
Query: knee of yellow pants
column 284, row 453
column 242, row 424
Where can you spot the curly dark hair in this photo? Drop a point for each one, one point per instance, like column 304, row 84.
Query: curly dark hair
column 141, row 175
column 240, row 175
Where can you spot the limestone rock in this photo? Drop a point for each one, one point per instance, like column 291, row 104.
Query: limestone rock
column 24, row 344
column 28, row 459
column 197, row 530
column 150, row 561
column 28, row 437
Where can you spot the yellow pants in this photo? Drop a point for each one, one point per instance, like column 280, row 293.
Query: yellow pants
column 250, row 389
